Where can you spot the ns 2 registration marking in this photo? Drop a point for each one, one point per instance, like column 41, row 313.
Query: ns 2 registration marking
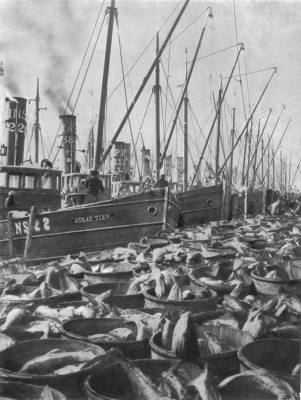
column 21, row 227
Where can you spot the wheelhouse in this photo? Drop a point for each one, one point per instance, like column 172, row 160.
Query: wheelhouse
column 33, row 186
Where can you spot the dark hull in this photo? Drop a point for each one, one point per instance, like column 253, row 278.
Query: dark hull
column 201, row 205
column 93, row 227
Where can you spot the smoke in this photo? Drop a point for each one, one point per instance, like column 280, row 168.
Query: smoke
column 53, row 41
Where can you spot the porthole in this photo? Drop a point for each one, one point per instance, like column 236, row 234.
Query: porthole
column 152, row 210
column 209, row 202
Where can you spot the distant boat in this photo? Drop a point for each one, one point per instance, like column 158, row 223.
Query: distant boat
column 201, row 205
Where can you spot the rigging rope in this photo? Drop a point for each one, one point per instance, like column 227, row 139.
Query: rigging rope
column 189, row 25
column 239, row 69
column 143, row 51
column 89, row 63
column 143, row 119
column 126, row 99
column 216, row 52
column 77, row 76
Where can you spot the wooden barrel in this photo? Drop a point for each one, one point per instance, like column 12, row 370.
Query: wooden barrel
column 269, row 286
column 71, row 384
column 277, row 356
column 195, row 306
column 81, row 328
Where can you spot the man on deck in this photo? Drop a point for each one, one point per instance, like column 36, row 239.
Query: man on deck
column 162, row 182
column 95, row 186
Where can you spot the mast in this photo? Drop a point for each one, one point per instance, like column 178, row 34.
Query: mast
column 268, row 176
column 104, row 87
column 218, row 134
column 255, row 158
column 249, row 151
column 273, row 177
column 262, row 153
column 232, row 144
column 215, row 118
column 157, row 90
column 251, row 116
column 37, row 124
column 209, row 15
column 281, row 172
column 244, row 156
column 142, row 86
column 186, row 102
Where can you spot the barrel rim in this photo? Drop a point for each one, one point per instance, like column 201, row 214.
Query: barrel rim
column 275, row 281
column 253, row 366
column 211, row 299
column 29, row 377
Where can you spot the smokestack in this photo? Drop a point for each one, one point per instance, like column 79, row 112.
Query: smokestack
column 69, row 143
column 146, row 168
column 16, row 127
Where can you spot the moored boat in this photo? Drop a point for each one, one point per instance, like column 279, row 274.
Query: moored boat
column 201, row 205
column 91, row 227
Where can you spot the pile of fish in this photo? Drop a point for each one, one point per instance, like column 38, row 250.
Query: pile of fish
column 252, row 269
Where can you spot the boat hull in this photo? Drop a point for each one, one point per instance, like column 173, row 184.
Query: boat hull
column 93, row 227
column 201, row 205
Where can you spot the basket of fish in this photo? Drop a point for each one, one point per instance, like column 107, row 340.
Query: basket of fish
column 255, row 386
column 129, row 337
column 216, row 277
column 119, row 294
column 58, row 363
column 143, row 379
column 106, row 272
column 21, row 391
column 215, row 345
column 194, row 299
column 22, row 294
column 270, row 280
column 280, row 357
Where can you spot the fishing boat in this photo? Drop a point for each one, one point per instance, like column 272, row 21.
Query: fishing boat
column 33, row 183
column 90, row 227
column 96, row 226
column 198, row 204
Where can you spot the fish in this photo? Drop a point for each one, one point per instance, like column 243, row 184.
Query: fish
column 160, row 288
column 296, row 370
column 234, row 304
column 103, row 337
column 286, row 331
column 136, row 284
column 68, row 369
column 15, row 316
column 175, row 293
column 184, row 340
column 293, row 304
column 45, row 311
column 254, row 325
column 123, row 334
column 204, row 386
column 143, row 387
column 171, row 386
column 49, row 362
column 167, row 332
column 213, row 343
column 143, row 331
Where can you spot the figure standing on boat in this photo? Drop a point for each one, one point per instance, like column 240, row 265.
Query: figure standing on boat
column 95, row 187
column 162, row 182
column 10, row 203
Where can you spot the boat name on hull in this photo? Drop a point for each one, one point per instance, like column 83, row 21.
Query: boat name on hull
column 91, row 218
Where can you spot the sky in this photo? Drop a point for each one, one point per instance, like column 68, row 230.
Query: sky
column 48, row 39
